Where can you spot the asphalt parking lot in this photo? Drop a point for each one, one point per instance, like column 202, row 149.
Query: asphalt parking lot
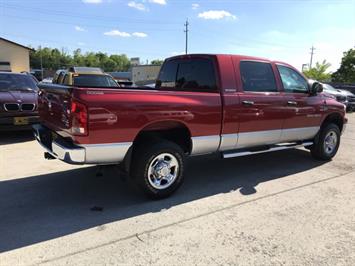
column 277, row 208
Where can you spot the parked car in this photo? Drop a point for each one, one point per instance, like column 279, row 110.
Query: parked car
column 18, row 101
column 37, row 73
column 228, row 104
column 343, row 96
column 84, row 76
column 122, row 78
column 47, row 80
column 32, row 76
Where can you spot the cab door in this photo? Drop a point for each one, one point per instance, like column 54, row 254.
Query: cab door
column 261, row 104
column 302, row 112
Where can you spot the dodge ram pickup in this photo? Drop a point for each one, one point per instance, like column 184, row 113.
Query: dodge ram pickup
column 228, row 104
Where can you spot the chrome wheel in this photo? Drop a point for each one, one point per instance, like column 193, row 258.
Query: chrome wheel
column 330, row 142
column 163, row 171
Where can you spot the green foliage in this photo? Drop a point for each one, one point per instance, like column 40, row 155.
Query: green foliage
column 55, row 59
column 157, row 62
column 319, row 72
column 346, row 72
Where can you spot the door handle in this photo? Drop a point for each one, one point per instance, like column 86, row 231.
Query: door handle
column 248, row 103
column 293, row 103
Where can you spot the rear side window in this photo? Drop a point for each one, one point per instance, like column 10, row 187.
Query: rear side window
column 257, row 77
column 188, row 75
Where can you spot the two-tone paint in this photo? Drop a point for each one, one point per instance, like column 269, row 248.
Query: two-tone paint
column 216, row 121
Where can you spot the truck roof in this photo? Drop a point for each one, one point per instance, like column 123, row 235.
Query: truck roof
column 240, row 57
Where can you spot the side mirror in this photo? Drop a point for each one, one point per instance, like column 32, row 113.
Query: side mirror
column 158, row 84
column 315, row 87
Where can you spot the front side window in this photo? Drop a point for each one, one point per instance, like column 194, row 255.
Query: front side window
column 188, row 75
column 257, row 77
column 292, row 81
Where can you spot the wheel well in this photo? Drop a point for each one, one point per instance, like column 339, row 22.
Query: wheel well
column 335, row 119
column 172, row 131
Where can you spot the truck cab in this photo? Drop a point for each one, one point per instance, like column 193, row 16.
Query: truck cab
column 203, row 103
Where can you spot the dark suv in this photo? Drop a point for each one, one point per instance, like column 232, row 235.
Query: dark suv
column 18, row 101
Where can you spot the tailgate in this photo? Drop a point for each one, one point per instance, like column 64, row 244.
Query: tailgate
column 54, row 103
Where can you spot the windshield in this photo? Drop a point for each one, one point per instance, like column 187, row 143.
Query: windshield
column 94, row 81
column 16, row 82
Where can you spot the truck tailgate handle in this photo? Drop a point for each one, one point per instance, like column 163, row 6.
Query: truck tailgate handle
column 293, row 103
column 248, row 103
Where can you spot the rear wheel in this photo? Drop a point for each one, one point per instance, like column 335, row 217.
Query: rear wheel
column 327, row 144
column 158, row 169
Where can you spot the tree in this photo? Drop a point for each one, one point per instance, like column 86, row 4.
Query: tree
column 319, row 72
column 54, row 59
column 157, row 62
column 346, row 72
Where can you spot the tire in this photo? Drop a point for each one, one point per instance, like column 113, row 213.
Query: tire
column 158, row 169
column 327, row 143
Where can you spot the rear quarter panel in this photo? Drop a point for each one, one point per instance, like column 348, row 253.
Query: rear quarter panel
column 119, row 115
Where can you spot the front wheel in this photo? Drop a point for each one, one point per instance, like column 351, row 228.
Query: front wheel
column 327, row 144
column 158, row 169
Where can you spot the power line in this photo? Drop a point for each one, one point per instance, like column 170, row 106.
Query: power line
column 312, row 53
column 39, row 20
column 62, row 14
column 186, row 34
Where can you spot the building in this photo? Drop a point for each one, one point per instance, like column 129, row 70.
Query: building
column 13, row 56
column 135, row 61
column 145, row 74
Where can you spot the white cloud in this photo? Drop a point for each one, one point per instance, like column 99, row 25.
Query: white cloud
column 195, row 6
column 117, row 33
column 216, row 14
column 81, row 43
column 139, row 34
column 78, row 28
column 92, row 1
column 159, row 2
column 138, row 6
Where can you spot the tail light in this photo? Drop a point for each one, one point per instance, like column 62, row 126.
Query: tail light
column 79, row 124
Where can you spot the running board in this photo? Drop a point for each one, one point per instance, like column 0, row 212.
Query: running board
column 270, row 149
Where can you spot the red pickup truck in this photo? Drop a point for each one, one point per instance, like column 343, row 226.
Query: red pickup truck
column 228, row 104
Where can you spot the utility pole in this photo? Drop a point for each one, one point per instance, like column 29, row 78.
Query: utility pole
column 312, row 53
column 40, row 49
column 186, row 34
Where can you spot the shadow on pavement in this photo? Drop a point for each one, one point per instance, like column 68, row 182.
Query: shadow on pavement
column 44, row 207
column 11, row 137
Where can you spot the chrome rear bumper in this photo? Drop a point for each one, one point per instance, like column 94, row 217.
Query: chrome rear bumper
column 111, row 153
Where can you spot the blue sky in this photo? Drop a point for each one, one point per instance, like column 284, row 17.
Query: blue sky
column 151, row 29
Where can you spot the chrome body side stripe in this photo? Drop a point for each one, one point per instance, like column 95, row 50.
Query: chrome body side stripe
column 256, row 138
column 228, row 142
column 205, row 144
column 296, row 134
column 105, row 153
